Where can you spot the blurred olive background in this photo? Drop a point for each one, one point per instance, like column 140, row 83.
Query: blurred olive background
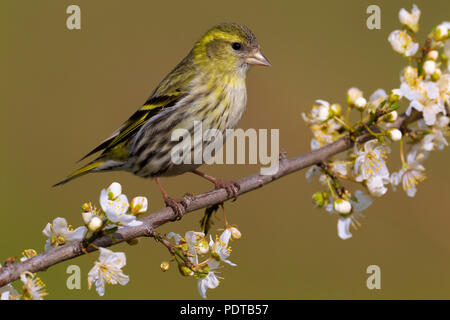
column 64, row 91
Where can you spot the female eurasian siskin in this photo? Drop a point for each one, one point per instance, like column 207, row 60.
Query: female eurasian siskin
column 208, row 85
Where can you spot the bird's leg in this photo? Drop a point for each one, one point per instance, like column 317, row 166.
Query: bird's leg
column 179, row 207
column 232, row 187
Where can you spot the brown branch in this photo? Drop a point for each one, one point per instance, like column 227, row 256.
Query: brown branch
column 43, row 261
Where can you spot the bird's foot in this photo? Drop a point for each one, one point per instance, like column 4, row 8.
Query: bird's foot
column 232, row 187
column 178, row 206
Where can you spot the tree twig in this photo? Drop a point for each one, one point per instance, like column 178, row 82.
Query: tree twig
column 10, row 271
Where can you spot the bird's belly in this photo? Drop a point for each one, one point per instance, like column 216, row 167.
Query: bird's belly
column 154, row 150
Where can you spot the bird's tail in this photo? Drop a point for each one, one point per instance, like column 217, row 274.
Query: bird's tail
column 82, row 171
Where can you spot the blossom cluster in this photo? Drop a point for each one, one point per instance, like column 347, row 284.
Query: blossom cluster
column 424, row 92
column 193, row 253
column 199, row 258
column 115, row 212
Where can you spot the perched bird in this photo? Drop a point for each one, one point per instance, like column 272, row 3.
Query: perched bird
column 208, row 85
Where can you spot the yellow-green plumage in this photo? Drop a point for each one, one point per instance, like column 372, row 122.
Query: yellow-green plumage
column 208, row 85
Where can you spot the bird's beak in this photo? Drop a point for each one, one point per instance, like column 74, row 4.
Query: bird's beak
column 256, row 58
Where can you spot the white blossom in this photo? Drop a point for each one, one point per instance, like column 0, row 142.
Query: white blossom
column 376, row 185
column 377, row 98
column 60, row 233
column 360, row 103
column 108, row 270
column 339, row 168
column 220, row 249
column 402, row 43
column 391, row 116
column 325, row 133
column 426, row 96
column 139, row 205
column 370, row 161
column 33, row 287
column 359, row 202
column 441, row 32
column 210, row 281
column 319, row 113
column 196, row 242
column 435, row 137
column 343, row 227
column 410, row 175
column 410, row 19
column 429, row 67
column 28, row 254
column 8, row 292
column 95, row 224
column 395, row 134
column 235, row 233
column 311, row 172
column 114, row 190
column 433, row 55
column 116, row 209
column 342, row 206
column 353, row 94
column 175, row 236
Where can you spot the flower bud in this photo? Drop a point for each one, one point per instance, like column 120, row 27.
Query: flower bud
column 352, row 95
column 391, row 116
column 336, row 109
column 360, row 103
column 395, row 134
column 342, row 206
column 165, row 266
column 95, row 224
column 185, row 271
column 429, row 67
column 410, row 19
column 235, row 233
column 395, row 95
column 114, row 190
column 87, row 216
column 436, row 75
column 86, row 207
column 319, row 199
column 324, row 113
column 139, row 205
column 433, row 55
column 202, row 247
column 441, row 32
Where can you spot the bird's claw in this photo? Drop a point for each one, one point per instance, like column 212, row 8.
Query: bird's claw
column 178, row 207
column 232, row 187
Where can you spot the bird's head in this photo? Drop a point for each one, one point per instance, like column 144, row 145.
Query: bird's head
column 229, row 47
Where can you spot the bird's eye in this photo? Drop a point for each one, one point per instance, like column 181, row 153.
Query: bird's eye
column 236, row 45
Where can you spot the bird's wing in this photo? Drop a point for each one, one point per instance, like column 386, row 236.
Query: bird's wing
column 172, row 89
column 152, row 107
